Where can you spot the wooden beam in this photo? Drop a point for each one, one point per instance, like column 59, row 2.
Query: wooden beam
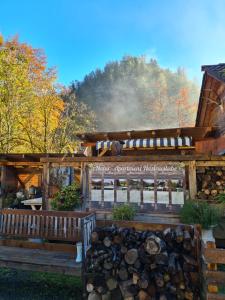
column 45, row 185
column 195, row 132
column 3, row 183
column 192, row 179
column 103, row 152
column 215, row 277
column 216, row 256
column 159, row 157
column 210, row 163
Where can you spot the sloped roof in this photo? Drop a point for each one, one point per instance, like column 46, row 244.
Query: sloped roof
column 213, row 87
column 216, row 71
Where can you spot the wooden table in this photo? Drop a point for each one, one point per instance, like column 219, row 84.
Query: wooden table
column 33, row 203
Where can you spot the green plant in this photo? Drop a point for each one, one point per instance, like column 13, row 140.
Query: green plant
column 67, row 198
column 9, row 200
column 124, row 212
column 221, row 198
column 196, row 212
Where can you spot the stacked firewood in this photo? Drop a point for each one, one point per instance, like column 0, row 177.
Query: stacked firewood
column 124, row 263
column 211, row 182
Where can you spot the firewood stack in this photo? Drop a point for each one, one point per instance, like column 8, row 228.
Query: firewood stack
column 211, row 182
column 123, row 263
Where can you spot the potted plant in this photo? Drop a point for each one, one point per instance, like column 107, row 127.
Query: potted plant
column 124, row 212
column 68, row 198
column 200, row 212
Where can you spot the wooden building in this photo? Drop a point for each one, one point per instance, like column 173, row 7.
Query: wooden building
column 26, row 173
column 155, row 170
column 211, row 108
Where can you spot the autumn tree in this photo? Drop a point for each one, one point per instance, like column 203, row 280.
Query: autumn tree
column 34, row 116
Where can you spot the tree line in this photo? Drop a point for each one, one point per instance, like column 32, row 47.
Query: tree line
column 37, row 115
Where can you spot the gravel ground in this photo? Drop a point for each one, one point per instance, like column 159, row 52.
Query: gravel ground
column 16, row 284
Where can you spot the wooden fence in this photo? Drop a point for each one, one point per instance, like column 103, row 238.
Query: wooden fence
column 55, row 225
column 214, row 278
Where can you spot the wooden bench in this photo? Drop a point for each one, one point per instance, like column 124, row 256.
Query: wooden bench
column 58, row 231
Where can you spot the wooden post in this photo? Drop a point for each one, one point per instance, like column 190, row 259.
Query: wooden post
column 3, row 178
column 192, row 179
column 45, row 185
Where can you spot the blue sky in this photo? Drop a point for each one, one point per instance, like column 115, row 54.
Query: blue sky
column 80, row 35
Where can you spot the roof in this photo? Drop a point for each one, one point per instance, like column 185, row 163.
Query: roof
column 216, row 71
column 197, row 133
column 212, row 90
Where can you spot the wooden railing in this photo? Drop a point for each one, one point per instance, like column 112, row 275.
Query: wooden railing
column 214, row 279
column 49, row 225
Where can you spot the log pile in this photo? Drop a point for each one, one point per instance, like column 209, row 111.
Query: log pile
column 211, row 182
column 123, row 263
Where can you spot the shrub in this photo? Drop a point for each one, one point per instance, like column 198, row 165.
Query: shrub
column 124, row 212
column 196, row 212
column 68, row 198
column 221, row 198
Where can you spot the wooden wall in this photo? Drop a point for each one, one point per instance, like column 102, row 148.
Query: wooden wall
column 211, row 146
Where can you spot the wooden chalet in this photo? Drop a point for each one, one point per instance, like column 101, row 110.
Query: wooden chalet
column 155, row 170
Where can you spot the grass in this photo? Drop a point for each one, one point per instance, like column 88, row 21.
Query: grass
column 19, row 285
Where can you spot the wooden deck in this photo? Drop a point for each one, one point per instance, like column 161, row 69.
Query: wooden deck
column 39, row 260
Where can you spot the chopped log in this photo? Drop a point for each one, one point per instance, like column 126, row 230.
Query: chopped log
column 151, row 290
column 162, row 297
column 107, row 296
column 190, row 260
column 123, row 274
column 218, row 183
column 136, row 278
column 132, row 289
column 101, row 290
column 123, row 249
column 131, row 256
column 172, row 263
column 137, row 264
column 124, row 288
column 89, row 287
column 188, row 295
column 206, row 191
column 154, row 245
column 219, row 173
column 94, row 296
column 107, row 265
column 159, row 281
column 117, row 239
column 143, row 295
column 111, row 283
column 116, row 294
column 179, row 234
column 213, row 192
column 143, row 283
column 107, row 242
column 166, row 277
column 129, row 264
column 94, row 237
column 161, row 258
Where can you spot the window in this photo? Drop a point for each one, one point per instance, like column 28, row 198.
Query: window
column 177, row 191
column 162, row 191
column 148, row 190
column 96, row 189
column 135, row 190
column 121, row 190
column 108, row 190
